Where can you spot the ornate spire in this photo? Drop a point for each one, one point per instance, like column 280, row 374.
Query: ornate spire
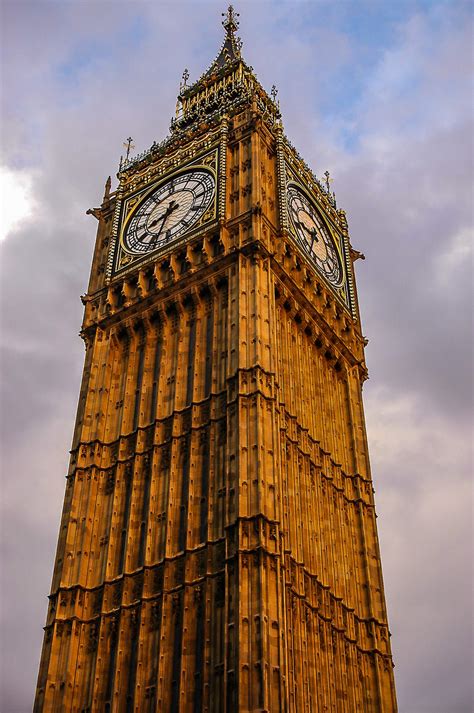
column 230, row 50
column 229, row 53
column 228, row 85
column 231, row 24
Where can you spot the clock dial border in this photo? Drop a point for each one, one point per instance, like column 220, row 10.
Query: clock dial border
column 327, row 237
column 143, row 221
column 130, row 198
column 341, row 290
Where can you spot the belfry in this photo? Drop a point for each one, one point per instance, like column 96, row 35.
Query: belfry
column 218, row 548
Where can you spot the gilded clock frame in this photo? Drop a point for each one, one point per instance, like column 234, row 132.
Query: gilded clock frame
column 120, row 260
column 342, row 291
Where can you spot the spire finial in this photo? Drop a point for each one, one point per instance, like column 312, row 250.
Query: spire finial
column 129, row 145
column 232, row 43
column 184, row 80
column 230, row 23
column 328, row 181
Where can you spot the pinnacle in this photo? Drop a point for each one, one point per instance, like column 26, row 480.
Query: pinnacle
column 230, row 23
column 229, row 52
column 232, row 44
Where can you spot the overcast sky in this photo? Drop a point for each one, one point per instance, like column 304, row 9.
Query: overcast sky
column 379, row 93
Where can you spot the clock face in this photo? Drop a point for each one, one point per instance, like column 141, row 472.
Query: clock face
column 171, row 210
column 314, row 236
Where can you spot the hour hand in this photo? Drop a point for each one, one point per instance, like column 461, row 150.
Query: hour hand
column 157, row 220
column 312, row 232
column 172, row 206
column 314, row 237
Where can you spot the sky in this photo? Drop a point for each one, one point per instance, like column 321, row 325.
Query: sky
column 376, row 91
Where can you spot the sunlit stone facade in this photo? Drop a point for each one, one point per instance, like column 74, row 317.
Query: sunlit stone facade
column 218, row 547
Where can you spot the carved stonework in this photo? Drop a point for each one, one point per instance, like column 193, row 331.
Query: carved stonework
column 93, row 636
column 155, row 616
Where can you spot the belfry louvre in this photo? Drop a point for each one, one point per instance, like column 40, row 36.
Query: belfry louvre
column 218, row 548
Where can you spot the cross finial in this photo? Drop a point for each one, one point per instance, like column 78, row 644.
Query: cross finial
column 129, row 145
column 328, row 180
column 184, row 80
column 230, row 22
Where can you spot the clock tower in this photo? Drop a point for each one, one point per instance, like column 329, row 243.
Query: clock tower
column 218, row 548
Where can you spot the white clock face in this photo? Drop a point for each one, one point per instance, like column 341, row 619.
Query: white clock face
column 314, row 236
column 173, row 209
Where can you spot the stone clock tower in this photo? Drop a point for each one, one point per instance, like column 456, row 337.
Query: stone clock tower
column 218, row 548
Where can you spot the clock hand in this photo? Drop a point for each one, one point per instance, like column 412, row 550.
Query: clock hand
column 312, row 231
column 314, row 238
column 304, row 226
column 172, row 206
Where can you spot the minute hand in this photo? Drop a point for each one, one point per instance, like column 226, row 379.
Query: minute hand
column 172, row 206
column 312, row 232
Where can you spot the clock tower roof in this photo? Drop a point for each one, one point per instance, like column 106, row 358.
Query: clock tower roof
column 228, row 56
column 227, row 84
column 223, row 90
column 231, row 46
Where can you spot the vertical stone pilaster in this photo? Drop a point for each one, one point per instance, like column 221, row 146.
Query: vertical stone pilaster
column 218, row 549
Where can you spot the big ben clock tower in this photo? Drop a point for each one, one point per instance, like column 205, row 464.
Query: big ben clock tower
column 218, row 548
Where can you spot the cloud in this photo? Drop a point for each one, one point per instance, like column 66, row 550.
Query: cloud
column 17, row 202
column 423, row 492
